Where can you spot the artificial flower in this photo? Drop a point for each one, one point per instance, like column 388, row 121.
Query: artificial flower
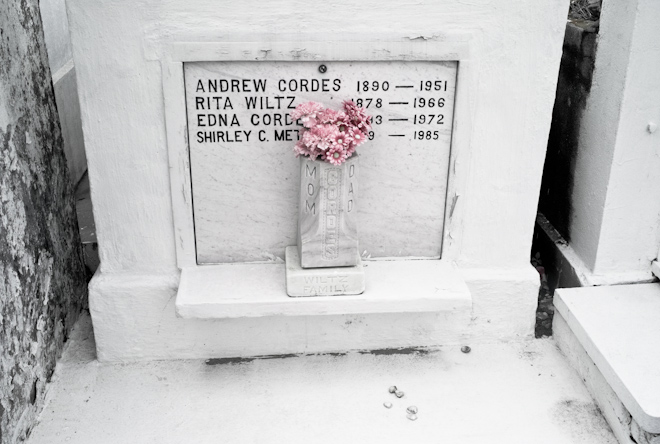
column 328, row 134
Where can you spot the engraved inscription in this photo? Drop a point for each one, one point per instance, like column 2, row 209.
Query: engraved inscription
column 331, row 215
column 325, row 289
column 315, row 285
column 310, row 172
column 414, row 106
column 327, row 232
column 336, row 279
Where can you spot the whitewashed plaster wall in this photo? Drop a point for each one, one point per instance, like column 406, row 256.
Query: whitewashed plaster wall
column 60, row 59
column 616, row 196
column 515, row 53
column 56, row 32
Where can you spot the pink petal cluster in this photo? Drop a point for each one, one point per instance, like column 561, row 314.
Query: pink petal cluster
column 331, row 135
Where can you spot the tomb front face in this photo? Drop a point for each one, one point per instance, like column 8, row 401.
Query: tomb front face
column 167, row 204
column 245, row 177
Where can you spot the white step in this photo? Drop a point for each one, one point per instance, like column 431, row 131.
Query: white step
column 257, row 290
column 619, row 327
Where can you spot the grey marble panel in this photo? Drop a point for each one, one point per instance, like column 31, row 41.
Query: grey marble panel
column 245, row 179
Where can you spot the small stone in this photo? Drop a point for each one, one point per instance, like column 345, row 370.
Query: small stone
column 393, row 389
column 399, row 394
column 388, row 405
column 411, row 416
column 412, row 410
column 466, row 349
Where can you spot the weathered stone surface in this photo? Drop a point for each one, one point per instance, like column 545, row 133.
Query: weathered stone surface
column 327, row 213
column 332, row 281
column 42, row 280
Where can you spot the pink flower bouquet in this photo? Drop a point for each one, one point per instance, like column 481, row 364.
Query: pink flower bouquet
column 331, row 135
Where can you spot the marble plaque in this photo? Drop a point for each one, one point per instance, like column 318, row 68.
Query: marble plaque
column 245, row 178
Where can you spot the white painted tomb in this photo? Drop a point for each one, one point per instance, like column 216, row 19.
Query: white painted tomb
column 617, row 326
column 192, row 229
column 615, row 193
column 609, row 329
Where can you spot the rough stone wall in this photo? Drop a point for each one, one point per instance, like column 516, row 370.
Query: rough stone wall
column 42, row 280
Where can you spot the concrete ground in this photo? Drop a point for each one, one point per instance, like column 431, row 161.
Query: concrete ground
column 498, row 393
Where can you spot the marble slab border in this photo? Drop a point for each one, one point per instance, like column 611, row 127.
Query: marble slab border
column 257, row 290
column 455, row 47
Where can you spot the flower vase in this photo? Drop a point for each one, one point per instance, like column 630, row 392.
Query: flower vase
column 327, row 213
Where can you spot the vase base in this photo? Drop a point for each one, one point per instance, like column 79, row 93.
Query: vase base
column 327, row 281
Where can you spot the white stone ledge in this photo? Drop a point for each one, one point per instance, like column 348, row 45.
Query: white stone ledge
column 618, row 327
column 257, row 290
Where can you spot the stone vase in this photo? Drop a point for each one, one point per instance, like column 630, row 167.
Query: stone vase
column 327, row 213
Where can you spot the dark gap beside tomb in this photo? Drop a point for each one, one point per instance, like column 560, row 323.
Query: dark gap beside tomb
column 555, row 200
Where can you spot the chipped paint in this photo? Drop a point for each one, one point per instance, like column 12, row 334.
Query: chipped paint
column 42, row 279
column 420, row 351
column 400, row 351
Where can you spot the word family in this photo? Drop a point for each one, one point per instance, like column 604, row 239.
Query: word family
column 313, row 290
